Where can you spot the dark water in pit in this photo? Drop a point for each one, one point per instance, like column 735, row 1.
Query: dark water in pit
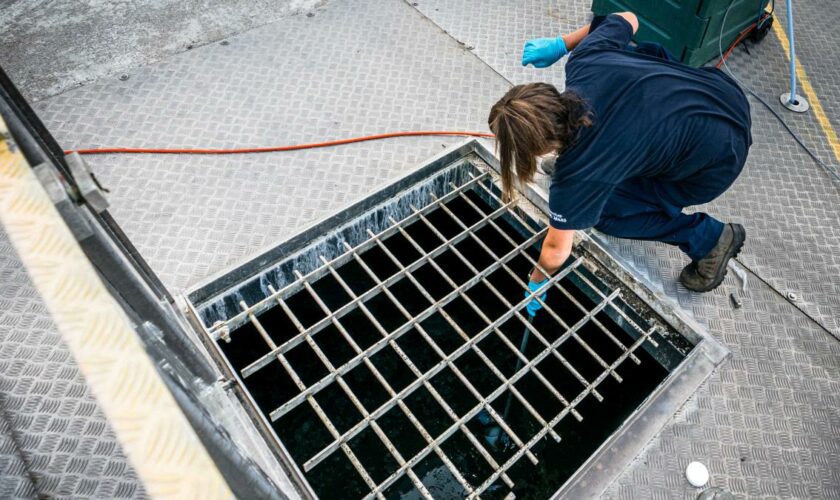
column 304, row 435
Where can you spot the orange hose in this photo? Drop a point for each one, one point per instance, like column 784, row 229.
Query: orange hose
column 272, row 149
column 338, row 142
column 734, row 44
column 741, row 36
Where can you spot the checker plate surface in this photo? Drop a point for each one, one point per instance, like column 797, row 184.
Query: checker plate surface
column 192, row 216
column 16, row 483
column 774, row 405
column 51, row 423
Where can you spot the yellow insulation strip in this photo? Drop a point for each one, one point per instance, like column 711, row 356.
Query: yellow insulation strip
column 165, row 451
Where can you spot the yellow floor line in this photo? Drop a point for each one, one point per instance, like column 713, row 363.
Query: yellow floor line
column 164, row 450
column 808, row 90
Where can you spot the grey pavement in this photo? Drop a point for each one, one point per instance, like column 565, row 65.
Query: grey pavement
column 191, row 216
column 50, row 47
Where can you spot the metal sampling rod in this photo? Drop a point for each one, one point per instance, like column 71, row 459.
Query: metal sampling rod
column 495, row 433
column 522, row 346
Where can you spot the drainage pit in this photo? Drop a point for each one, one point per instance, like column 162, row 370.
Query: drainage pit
column 393, row 355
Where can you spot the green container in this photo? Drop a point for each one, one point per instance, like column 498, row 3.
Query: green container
column 690, row 29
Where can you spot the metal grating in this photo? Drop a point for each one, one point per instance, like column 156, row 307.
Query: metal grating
column 418, row 277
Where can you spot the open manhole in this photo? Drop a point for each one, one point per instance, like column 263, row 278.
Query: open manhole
column 386, row 350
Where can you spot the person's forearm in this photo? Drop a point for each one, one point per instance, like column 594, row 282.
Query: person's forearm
column 551, row 259
column 574, row 38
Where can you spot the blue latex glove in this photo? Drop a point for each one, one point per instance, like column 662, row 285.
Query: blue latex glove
column 534, row 305
column 543, row 52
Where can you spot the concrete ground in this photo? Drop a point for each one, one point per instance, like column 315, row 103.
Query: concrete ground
column 767, row 423
column 56, row 46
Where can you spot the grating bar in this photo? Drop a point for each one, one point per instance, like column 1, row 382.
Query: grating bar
column 527, row 367
column 420, row 428
column 366, row 416
column 518, row 454
column 405, row 465
column 313, row 275
column 314, row 404
column 473, row 440
column 440, row 400
column 525, row 224
column 554, row 315
column 482, row 401
column 527, row 323
column 577, row 338
column 623, row 314
column 496, row 330
column 569, row 296
column 447, row 362
column 341, row 311
column 466, row 337
column 278, row 412
column 359, row 467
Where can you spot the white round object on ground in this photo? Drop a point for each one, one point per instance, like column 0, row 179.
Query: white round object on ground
column 697, row 474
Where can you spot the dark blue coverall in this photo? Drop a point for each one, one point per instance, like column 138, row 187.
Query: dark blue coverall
column 665, row 136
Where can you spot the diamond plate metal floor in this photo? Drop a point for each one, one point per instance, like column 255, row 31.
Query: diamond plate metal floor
column 767, row 424
column 50, row 47
column 790, row 206
column 53, row 435
column 192, row 216
column 816, row 39
column 16, row 480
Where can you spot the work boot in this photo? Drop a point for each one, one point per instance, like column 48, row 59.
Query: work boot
column 707, row 273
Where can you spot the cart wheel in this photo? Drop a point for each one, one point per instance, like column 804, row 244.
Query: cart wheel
column 762, row 29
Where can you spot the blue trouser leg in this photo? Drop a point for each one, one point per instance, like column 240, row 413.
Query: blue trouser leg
column 651, row 209
column 635, row 210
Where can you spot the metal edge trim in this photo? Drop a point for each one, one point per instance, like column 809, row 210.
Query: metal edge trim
column 215, row 285
column 250, row 407
column 607, row 463
column 618, row 451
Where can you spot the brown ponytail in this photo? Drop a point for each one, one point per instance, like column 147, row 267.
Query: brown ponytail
column 532, row 120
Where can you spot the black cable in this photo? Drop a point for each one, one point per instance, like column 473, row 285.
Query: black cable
column 793, row 134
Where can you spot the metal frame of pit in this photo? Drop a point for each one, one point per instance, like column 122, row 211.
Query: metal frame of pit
column 605, row 464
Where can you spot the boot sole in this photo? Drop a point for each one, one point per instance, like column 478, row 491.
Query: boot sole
column 739, row 236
